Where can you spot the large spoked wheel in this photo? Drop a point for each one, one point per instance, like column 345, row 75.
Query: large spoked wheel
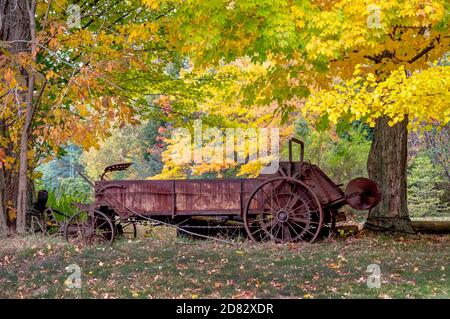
column 89, row 227
column 283, row 209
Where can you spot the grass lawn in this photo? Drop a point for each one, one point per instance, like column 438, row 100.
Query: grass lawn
column 411, row 267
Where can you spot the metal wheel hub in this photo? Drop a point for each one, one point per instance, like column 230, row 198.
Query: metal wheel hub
column 282, row 216
column 89, row 232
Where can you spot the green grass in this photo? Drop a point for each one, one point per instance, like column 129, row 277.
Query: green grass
column 411, row 267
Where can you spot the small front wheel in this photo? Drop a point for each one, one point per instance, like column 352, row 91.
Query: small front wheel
column 89, row 227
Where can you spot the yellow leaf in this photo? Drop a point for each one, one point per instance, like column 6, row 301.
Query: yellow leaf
column 50, row 75
column 12, row 213
column 10, row 78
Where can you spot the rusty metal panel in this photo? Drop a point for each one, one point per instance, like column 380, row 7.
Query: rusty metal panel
column 176, row 197
column 321, row 184
column 139, row 195
column 249, row 186
column 211, row 195
column 312, row 176
column 154, row 196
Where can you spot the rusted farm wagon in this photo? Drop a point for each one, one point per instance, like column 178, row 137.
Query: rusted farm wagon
column 294, row 204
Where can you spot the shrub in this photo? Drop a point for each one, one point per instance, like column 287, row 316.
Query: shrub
column 424, row 194
column 66, row 192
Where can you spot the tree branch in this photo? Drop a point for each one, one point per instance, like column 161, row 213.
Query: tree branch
column 430, row 47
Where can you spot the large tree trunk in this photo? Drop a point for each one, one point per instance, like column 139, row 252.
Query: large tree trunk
column 387, row 166
column 15, row 24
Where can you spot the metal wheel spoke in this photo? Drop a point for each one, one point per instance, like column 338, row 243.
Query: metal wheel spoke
column 298, row 207
column 293, row 228
column 305, row 229
column 271, row 206
column 257, row 230
column 278, row 202
column 271, row 222
column 100, row 226
column 101, row 232
column 290, row 196
column 278, row 230
column 94, row 220
column 292, row 203
column 266, row 235
column 100, row 238
column 262, row 203
column 286, row 232
column 303, row 220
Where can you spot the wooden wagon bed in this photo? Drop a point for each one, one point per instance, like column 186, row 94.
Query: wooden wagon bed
column 175, row 197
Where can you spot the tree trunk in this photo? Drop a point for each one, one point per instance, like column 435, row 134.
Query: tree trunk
column 22, row 193
column 22, row 196
column 15, row 29
column 3, row 223
column 15, row 24
column 387, row 166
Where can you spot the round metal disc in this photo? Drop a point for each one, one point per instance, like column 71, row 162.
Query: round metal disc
column 362, row 193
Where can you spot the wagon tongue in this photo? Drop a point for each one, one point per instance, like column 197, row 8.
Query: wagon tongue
column 362, row 193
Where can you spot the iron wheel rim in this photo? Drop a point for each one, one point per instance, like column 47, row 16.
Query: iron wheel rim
column 89, row 227
column 289, row 217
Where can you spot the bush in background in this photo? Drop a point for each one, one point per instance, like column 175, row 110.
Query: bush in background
column 425, row 196
column 66, row 191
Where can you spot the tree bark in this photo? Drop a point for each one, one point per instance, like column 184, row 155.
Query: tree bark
column 15, row 30
column 387, row 166
column 22, row 193
column 22, row 196
column 3, row 222
column 15, row 24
